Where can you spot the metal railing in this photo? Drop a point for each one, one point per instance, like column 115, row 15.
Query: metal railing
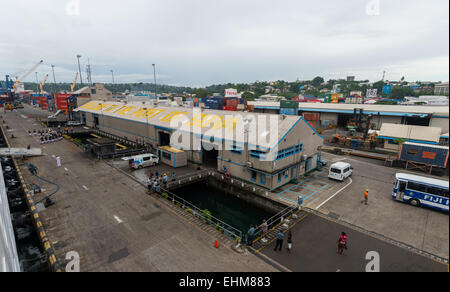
column 203, row 215
column 274, row 221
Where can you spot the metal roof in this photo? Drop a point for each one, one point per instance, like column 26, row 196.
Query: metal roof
column 221, row 125
column 412, row 133
column 368, row 108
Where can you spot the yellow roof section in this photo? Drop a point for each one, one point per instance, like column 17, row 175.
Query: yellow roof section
column 170, row 149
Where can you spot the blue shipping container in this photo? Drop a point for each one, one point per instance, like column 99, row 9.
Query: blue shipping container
column 288, row 111
column 424, row 153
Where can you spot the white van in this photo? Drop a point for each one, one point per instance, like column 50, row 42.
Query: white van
column 141, row 161
column 340, row 171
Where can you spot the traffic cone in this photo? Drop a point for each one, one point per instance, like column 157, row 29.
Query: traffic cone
column 216, row 244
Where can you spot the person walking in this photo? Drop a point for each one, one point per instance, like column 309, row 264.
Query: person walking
column 58, row 161
column 150, row 175
column 342, row 243
column 366, row 197
column 250, row 235
column 264, row 228
column 289, row 241
column 149, row 184
column 174, row 176
column 279, row 244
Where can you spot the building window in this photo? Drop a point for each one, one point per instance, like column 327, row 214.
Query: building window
column 236, row 149
column 286, row 174
column 166, row 155
column 412, row 151
column 258, row 154
column 280, row 177
column 253, row 175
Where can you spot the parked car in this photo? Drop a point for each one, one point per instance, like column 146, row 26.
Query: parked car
column 340, row 171
column 141, row 161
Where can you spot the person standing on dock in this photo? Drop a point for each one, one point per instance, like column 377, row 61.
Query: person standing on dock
column 264, row 228
column 279, row 244
column 250, row 235
column 289, row 241
column 366, row 197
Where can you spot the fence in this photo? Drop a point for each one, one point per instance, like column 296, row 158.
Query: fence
column 275, row 220
column 203, row 215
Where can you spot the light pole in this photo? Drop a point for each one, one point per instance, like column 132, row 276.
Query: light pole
column 79, row 69
column 54, row 78
column 112, row 73
column 154, row 76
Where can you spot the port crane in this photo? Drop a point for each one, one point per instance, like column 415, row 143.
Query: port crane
column 72, row 86
column 21, row 78
column 41, row 85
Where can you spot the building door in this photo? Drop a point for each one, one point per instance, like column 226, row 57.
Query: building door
column 308, row 164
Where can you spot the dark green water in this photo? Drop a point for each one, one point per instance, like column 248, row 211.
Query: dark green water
column 231, row 210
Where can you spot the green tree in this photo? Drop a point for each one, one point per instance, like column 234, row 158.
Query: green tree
column 201, row 92
column 317, row 81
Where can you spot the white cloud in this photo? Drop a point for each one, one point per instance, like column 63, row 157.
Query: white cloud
column 204, row 42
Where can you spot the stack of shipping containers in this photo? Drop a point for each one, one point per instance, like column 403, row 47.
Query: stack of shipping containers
column 313, row 119
column 61, row 101
column 289, row 107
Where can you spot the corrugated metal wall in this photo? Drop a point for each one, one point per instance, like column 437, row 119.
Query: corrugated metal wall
column 9, row 261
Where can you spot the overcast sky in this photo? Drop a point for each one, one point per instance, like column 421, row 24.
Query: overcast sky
column 203, row 42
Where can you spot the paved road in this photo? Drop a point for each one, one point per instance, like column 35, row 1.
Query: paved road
column 314, row 249
column 110, row 221
column 422, row 228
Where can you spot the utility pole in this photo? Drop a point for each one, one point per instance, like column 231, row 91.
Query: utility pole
column 79, row 69
column 54, row 78
column 384, row 75
column 88, row 70
column 112, row 73
column 154, row 75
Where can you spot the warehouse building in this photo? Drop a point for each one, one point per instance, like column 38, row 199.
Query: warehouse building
column 394, row 135
column 267, row 150
column 340, row 114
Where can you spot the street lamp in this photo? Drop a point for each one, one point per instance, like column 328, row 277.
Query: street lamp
column 79, row 69
column 154, row 76
column 112, row 73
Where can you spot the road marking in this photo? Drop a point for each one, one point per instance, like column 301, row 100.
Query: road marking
column 117, row 219
column 335, row 194
column 85, row 187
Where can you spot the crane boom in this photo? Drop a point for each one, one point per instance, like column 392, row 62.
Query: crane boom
column 72, row 87
column 43, row 83
column 28, row 72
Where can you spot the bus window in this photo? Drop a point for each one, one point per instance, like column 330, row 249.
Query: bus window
column 416, row 187
column 402, row 186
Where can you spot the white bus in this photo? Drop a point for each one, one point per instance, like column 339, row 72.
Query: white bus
column 421, row 191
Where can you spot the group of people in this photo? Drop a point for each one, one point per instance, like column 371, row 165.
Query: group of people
column 46, row 136
column 341, row 242
column 155, row 181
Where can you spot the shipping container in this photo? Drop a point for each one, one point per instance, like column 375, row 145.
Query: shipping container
column 311, row 116
column 424, row 153
column 313, row 124
column 288, row 111
column 289, row 104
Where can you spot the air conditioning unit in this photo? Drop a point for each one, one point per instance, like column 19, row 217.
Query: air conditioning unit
column 249, row 164
column 304, row 157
